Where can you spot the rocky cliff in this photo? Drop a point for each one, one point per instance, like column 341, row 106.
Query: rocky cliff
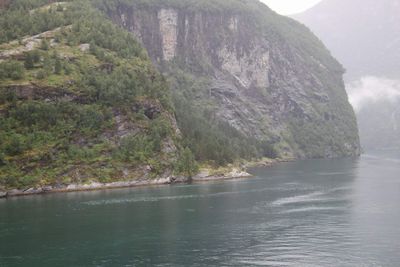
column 266, row 75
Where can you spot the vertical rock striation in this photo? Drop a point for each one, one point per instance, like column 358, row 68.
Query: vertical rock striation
column 268, row 76
column 168, row 19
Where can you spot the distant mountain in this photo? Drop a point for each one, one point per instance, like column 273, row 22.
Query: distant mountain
column 377, row 104
column 363, row 34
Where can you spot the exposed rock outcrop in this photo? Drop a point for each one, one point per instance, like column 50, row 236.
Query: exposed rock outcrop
column 278, row 87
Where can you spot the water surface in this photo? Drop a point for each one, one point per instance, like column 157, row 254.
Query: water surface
column 310, row 213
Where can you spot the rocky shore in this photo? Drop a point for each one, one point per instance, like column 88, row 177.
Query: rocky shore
column 122, row 184
column 205, row 175
column 88, row 187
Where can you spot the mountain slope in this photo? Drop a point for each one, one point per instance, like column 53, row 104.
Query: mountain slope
column 80, row 102
column 363, row 34
column 239, row 62
column 81, row 99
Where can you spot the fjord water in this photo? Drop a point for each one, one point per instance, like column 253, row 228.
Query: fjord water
column 343, row 212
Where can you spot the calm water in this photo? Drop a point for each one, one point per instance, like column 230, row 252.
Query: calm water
column 309, row 213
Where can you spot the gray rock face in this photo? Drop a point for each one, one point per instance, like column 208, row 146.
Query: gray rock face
column 261, row 82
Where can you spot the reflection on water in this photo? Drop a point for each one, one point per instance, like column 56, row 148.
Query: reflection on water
column 309, row 213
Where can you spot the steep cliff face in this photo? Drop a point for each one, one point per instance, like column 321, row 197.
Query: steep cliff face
column 266, row 75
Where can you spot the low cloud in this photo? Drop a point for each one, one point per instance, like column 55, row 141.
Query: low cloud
column 371, row 89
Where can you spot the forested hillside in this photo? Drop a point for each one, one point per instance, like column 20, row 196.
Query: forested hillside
column 78, row 101
column 82, row 99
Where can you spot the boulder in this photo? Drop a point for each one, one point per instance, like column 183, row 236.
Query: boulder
column 32, row 191
column 47, row 189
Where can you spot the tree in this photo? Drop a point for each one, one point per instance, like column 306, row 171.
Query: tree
column 11, row 70
column 44, row 45
column 58, row 66
column 93, row 48
column 187, row 165
column 59, row 8
column 3, row 160
column 16, row 71
column 47, row 65
column 41, row 74
column 15, row 146
column 35, row 56
column 31, row 58
column 67, row 69
column 29, row 64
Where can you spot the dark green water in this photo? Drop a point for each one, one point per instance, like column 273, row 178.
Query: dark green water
column 309, row 213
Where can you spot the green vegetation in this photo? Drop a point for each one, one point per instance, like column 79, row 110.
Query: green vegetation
column 81, row 82
column 82, row 101
column 210, row 139
column 187, row 164
column 215, row 141
column 331, row 123
column 61, row 125
column 24, row 18
column 11, row 70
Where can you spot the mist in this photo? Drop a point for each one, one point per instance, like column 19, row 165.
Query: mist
column 372, row 90
column 363, row 35
column 376, row 101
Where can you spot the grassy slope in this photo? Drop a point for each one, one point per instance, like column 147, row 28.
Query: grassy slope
column 61, row 116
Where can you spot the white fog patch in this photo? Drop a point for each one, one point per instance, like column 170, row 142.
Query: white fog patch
column 372, row 89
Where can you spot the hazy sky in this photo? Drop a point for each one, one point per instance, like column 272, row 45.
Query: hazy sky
column 288, row 7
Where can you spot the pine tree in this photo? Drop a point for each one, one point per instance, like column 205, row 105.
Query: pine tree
column 35, row 56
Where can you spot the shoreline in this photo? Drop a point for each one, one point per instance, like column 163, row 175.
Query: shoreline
column 203, row 176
